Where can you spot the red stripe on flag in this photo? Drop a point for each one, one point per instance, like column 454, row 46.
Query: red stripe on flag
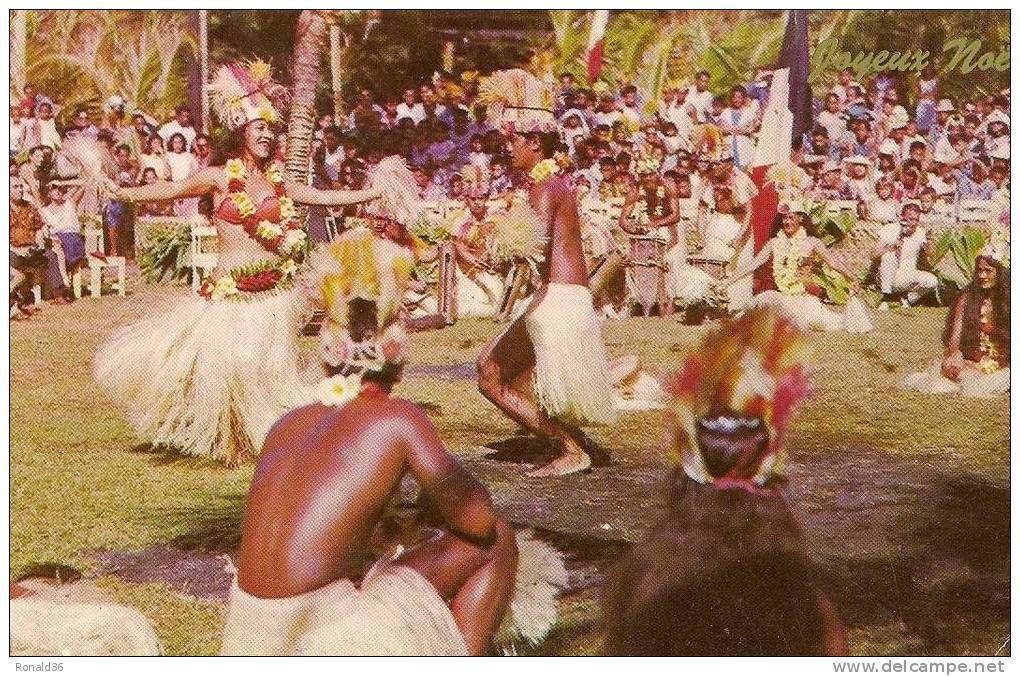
column 595, row 62
column 764, row 206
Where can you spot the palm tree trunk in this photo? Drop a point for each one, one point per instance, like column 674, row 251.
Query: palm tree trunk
column 18, row 66
column 336, row 66
column 310, row 40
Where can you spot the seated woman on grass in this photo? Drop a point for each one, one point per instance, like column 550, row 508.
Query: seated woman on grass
column 793, row 253
column 976, row 358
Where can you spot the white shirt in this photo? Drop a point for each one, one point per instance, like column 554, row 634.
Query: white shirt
column 910, row 249
column 883, row 211
column 173, row 127
column 700, row 101
column 61, row 217
column 415, row 112
column 44, row 132
column 833, row 123
column 181, row 165
column 863, row 188
column 18, row 135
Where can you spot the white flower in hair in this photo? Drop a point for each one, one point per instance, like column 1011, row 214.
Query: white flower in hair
column 339, row 390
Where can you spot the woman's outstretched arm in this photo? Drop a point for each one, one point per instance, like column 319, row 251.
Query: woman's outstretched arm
column 306, row 194
column 758, row 261
column 195, row 185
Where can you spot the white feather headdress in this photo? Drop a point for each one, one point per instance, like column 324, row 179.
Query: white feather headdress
column 518, row 99
column 243, row 92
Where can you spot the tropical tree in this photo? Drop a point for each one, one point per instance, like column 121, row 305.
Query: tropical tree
column 83, row 57
column 653, row 49
column 310, row 38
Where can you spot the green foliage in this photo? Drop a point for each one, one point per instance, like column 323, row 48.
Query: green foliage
column 831, row 229
column 83, row 57
column 964, row 244
column 165, row 256
column 836, row 286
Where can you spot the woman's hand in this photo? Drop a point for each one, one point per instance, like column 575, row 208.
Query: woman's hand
column 952, row 365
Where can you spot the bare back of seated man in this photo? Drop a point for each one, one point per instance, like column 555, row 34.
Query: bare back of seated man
column 325, row 475
column 548, row 369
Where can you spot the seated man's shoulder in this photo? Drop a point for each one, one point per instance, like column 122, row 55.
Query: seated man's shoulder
column 404, row 408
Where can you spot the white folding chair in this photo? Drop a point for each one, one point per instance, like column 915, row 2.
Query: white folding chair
column 97, row 263
column 202, row 261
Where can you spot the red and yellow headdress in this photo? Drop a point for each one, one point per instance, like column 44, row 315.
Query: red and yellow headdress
column 753, row 366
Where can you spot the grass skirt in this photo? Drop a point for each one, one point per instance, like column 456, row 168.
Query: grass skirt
column 571, row 369
column 806, row 311
column 972, row 382
column 395, row 612
column 208, row 378
column 77, row 619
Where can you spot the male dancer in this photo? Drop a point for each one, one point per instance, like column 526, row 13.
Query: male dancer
column 548, row 370
column 325, row 475
column 747, row 585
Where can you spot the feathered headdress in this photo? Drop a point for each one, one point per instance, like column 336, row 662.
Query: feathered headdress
column 753, row 367
column 400, row 200
column 359, row 265
column 243, row 92
column 518, row 99
column 998, row 245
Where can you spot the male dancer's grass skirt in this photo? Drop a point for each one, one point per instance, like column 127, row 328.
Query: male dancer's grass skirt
column 571, row 368
column 208, row 377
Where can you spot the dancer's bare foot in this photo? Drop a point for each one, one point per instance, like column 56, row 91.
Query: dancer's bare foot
column 574, row 459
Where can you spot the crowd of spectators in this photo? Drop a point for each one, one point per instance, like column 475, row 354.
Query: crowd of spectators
column 865, row 144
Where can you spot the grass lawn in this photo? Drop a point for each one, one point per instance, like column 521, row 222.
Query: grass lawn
column 905, row 496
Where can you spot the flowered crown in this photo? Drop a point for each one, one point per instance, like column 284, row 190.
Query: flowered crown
column 243, row 92
column 359, row 265
column 517, row 99
column 753, row 367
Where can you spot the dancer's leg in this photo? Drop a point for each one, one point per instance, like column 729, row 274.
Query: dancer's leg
column 478, row 583
column 506, row 372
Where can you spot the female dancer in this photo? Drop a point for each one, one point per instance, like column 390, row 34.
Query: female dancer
column 210, row 375
column 793, row 253
column 976, row 359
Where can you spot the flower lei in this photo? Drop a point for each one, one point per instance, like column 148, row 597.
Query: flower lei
column 244, row 282
column 786, row 256
column 544, row 170
column 286, row 238
column 641, row 210
column 987, row 350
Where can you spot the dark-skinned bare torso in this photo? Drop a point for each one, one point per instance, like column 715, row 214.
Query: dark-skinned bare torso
column 323, row 480
column 554, row 201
